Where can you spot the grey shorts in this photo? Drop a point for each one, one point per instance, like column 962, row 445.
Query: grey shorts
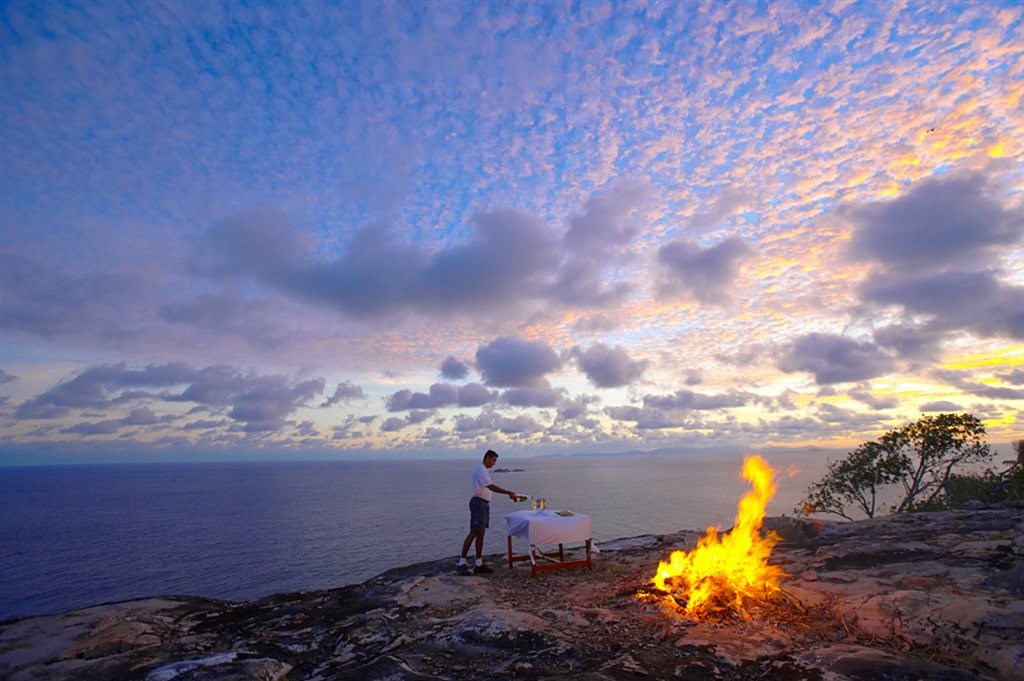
column 479, row 514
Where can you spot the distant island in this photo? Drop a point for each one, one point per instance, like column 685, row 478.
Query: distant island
column 508, row 470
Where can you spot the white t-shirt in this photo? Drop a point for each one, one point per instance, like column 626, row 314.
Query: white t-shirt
column 482, row 478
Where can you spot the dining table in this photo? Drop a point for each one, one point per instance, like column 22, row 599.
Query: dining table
column 543, row 528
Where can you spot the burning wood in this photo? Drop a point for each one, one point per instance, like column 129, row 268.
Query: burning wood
column 723, row 573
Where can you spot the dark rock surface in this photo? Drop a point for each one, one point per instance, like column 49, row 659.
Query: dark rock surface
column 925, row 596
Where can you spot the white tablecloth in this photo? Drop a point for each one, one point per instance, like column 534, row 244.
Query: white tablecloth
column 546, row 527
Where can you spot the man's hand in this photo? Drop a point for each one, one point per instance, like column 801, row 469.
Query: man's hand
column 512, row 496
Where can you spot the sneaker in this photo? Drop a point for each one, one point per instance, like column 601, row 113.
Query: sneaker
column 462, row 570
column 482, row 570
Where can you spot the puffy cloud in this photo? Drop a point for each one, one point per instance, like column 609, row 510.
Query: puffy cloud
column 944, row 406
column 705, row 273
column 597, row 239
column 909, row 341
column 937, row 250
column 108, row 427
column 940, row 222
column 45, row 301
column 645, row 419
column 143, row 416
column 7, row 377
column 510, row 257
column 576, row 409
column 970, row 301
column 687, row 399
column 96, row 387
column 583, row 282
column 227, row 314
column 835, row 359
column 725, row 204
column 261, row 242
column 962, row 381
column 454, row 369
column 345, row 392
column 394, row 424
column 513, row 362
column 261, row 402
column 441, row 395
column 609, row 367
column 541, row 395
column 490, row 422
column 475, row 395
column 1014, row 376
column 603, row 229
column 862, row 393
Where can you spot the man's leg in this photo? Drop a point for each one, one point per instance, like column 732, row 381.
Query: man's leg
column 479, row 546
column 469, row 542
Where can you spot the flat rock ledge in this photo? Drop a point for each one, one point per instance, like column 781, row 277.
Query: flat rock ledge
column 910, row 597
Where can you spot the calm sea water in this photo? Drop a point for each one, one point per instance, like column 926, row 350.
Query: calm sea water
column 74, row 536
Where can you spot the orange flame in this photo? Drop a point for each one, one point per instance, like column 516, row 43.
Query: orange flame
column 722, row 572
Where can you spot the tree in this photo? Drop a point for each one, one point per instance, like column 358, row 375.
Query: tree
column 990, row 487
column 855, row 480
column 921, row 457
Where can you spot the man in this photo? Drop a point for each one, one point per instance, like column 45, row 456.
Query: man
column 480, row 513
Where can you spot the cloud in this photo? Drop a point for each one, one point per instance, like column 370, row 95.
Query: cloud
column 609, row 367
column 441, row 395
column 512, row 362
column 260, row 402
column 727, row 202
column 7, row 377
column 962, row 381
column 108, row 427
column 971, row 301
column 577, row 409
column 260, row 243
column 541, row 395
column 941, row 406
column 909, row 341
column 1014, row 376
column 229, row 314
column 143, row 416
column 940, row 222
column 47, row 302
column 705, row 273
column 602, row 229
column 863, row 394
column 490, row 422
column 834, row 359
column 454, row 369
column 475, row 395
column 687, row 399
column 509, row 258
column 345, row 392
column 96, row 387
column 645, row 419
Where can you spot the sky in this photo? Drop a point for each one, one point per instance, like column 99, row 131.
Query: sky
column 428, row 228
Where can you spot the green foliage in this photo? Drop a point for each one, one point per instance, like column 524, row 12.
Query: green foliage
column 990, row 487
column 921, row 457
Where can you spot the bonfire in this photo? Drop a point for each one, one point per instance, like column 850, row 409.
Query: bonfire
column 723, row 574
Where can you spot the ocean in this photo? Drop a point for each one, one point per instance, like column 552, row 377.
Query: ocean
column 75, row 536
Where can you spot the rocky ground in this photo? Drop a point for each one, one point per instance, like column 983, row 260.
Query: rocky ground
column 925, row 596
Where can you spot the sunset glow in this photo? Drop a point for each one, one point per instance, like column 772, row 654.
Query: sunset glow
column 361, row 229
